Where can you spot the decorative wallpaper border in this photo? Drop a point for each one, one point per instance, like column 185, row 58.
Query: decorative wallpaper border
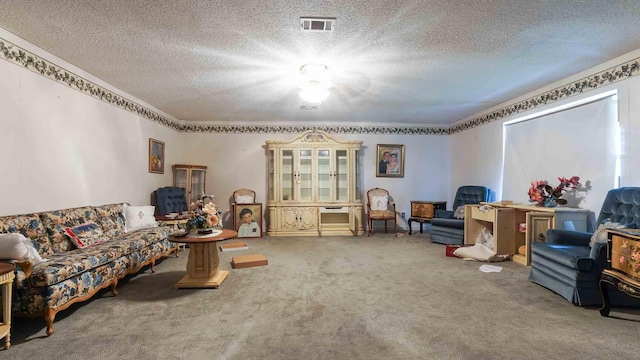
column 591, row 82
column 19, row 56
column 295, row 129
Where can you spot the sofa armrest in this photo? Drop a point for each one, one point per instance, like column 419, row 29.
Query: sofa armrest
column 568, row 237
column 444, row 214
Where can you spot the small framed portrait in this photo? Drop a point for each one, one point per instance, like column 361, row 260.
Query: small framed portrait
column 156, row 156
column 390, row 160
column 247, row 219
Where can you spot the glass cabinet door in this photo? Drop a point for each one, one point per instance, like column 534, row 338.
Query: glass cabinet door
column 340, row 176
column 324, row 175
column 304, row 175
column 286, row 171
column 272, row 171
column 180, row 178
column 197, row 184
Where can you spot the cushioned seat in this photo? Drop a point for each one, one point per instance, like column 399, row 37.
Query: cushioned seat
column 169, row 199
column 62, row 266
column 445, row 229
column 380, row 207
column 568, row 265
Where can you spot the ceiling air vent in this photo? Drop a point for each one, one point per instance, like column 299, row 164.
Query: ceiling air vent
column 308, row 107
column 317, row 24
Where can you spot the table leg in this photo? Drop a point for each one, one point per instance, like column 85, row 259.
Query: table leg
column 410, row 227
column 202, row 267
column 421, row 222
column 6, row 313
column 606, row 306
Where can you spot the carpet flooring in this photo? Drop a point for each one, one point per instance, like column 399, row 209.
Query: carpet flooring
column 378, row 297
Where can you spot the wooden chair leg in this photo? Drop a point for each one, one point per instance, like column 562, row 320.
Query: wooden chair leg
column 385, row 226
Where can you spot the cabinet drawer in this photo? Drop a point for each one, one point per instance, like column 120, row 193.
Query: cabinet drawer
column 621, row 256
column 484, row 216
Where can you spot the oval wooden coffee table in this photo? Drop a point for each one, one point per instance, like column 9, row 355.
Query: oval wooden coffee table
column 202, row 265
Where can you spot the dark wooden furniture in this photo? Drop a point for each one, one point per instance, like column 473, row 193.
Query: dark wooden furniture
column 202, row 265
column 623, row 255
column 424, row 211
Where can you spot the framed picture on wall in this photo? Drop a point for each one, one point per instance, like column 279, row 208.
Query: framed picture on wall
column 248, row 219
column 390, row 160
column 156, row 156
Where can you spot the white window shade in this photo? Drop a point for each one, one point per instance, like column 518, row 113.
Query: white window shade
column 579, row 141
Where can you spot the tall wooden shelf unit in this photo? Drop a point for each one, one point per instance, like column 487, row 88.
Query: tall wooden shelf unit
column 314, row 186
column 191, row 178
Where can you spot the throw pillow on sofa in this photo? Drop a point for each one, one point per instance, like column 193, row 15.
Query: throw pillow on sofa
column 86, row 235
column 139, row 217
column 16, row 246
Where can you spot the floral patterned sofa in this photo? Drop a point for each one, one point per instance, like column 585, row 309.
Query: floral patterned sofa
column 69, row 274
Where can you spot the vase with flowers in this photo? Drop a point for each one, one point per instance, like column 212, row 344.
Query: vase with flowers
column 204, row 216
column 545, row 195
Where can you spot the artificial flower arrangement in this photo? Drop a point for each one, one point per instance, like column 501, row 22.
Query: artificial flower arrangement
column 204, row 217
column 543, row 194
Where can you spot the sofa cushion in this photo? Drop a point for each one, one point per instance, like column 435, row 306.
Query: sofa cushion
column 574, row 257
column 65, row 265
column 56, row 221
column 31, row 227
column 450, row 223
column 111, row 218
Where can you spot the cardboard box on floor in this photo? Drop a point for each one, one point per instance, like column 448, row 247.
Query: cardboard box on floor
column 239, row 262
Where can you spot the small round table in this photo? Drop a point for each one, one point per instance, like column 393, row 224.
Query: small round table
column 6, row 280
column 202, row 265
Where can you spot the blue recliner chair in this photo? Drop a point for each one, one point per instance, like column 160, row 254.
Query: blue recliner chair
column 445, row 229
column 169, row 199
column 567, row 265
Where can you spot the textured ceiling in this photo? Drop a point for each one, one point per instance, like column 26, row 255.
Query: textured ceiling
column 405, row 62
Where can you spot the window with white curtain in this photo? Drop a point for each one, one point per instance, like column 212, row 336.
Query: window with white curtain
column 580, row 139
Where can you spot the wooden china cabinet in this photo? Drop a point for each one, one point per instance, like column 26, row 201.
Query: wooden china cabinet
column 314, row 186
column 191, row 178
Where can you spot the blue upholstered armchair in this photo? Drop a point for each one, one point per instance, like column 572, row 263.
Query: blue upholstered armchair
column 169, row 199
column 445, row 229
column 567, row 265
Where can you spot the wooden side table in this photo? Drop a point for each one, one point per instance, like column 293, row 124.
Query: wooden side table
column 623, row 245
column 6, row 281
column 424, row 211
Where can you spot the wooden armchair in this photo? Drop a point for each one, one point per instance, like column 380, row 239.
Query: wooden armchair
column 380, row 207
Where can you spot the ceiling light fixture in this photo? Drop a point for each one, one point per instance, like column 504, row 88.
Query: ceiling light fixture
column 315, row 81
